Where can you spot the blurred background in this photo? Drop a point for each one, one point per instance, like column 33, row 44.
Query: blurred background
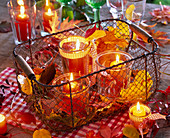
column 164, row 2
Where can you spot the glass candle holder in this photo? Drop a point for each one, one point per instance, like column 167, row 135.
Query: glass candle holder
column 46, row 12
column 75, row 96
column 22, row 14
column 75, row 54
column 111, row 81
column 137, row 114
column 3, row 124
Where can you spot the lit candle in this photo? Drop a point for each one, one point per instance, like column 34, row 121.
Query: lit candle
column 3, row 125
column 66, row 88
column 138, row 112
column 118, row 61
column 47, row 16
column 23, row 24
column 75, row 54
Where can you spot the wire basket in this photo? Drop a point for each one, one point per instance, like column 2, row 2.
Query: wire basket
column 101, row 92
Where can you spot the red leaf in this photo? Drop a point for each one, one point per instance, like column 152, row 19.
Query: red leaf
column 90, row 31
column 105, row 131
column 26, row 117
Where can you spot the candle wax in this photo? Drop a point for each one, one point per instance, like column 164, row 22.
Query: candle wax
column 116, row 62
column 139, row 112
column 3, row 125
column 23, row 27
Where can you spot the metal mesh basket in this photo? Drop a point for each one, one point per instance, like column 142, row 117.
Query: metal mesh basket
column 99, row 93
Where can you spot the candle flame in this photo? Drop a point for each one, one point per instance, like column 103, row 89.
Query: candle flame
column 22, row 12
column 2, row 118
column 77, row 44
column 71, row 76
column 49, row 11
column 47, row 3
column 20, row 2
column 117, row 58
column 138, row 106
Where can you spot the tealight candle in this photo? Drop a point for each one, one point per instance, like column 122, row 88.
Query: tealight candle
column 78, row 97
column 66, row 88
column 116, row 78
column 117, row 61
column 138, row 112
column 3, row 125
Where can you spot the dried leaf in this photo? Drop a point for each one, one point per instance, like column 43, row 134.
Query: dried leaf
column 41, row 133
column 105, row 131
column 5, row 27
column 23, row 117
column 136, row 89
column 130, row 131
column 57, row 26
column 161, row 14
column 48, row 74
column 129, row 12
column 90, row 31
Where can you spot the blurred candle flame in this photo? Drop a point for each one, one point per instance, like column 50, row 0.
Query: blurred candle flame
column 20, row 2
column 77, row 44
column 117, row 58
column 138, row 106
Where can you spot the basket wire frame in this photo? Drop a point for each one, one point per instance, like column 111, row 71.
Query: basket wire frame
column 58, row 112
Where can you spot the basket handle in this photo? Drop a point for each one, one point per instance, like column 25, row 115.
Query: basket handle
column 25, row 67
column 141, row 33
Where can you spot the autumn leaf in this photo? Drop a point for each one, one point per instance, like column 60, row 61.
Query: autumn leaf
column 161, row 14
column 5, row 27
column 130, row 131
column 41, row 133
column 48, row 74
column 160, row 37
column 24, row 117
column 57, row 26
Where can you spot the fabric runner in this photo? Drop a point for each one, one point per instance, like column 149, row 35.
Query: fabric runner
column 15, row 103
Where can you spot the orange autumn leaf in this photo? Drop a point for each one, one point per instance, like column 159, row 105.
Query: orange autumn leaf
column 57, row 26
column 160, row 37
column 161, row 14
column 110, row 42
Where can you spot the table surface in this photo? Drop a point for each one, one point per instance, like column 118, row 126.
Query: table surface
column 7, row 45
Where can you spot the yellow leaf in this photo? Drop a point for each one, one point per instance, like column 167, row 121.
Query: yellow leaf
column 97, row 34
column 41, row 133
column 129, row 12
column 130, row 131
column 26, row 84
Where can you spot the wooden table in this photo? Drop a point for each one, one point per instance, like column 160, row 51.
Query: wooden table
column 7, row 45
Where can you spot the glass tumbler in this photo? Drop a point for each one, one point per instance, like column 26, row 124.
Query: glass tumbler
column 22, row 14
column 110, row 81
column 134, row 10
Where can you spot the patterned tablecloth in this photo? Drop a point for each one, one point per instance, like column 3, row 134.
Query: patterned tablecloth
column 12, row 95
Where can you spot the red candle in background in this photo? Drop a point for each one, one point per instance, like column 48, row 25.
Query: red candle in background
column 23, row 25
column 47, row 16
column 3, row 125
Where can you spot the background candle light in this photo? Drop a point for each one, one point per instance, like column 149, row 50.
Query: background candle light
column 3, row 125
column 23, row 24
column 138, row 112
column 47, row 16
column 22, row 14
